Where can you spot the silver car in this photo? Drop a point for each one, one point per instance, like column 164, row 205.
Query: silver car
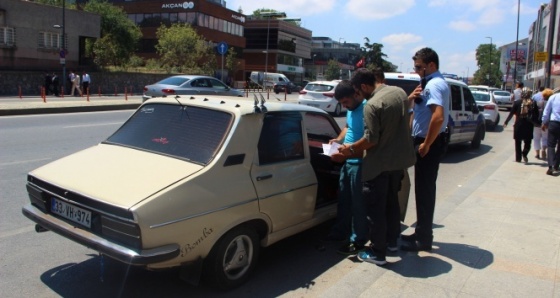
column 503, row 99
column 189, row 85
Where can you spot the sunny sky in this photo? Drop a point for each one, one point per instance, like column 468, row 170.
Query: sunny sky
column 453, row 28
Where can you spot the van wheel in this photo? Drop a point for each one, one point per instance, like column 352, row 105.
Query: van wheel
column 478, row 136
column 337, row 110
column 233, row 258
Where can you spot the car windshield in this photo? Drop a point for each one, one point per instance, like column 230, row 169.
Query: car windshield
column 481, row 96
column 191, row 133
column 502, row 93
column 175, row 81
column 319, row 87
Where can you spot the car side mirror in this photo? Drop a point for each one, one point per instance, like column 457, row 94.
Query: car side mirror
column 475, row 109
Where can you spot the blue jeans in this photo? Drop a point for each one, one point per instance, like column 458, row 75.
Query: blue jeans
column 351, row 218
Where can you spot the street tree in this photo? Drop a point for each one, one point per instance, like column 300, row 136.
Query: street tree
column 180, row 47
column 374, row 56
column 119, row 34
column 488, row 72
column 332, row 72
column 232, row 62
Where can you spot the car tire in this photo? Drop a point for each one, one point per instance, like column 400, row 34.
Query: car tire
column 232, row 258
column 277, row 92
column 497, row 121
column 337, row 110
column 478, row 136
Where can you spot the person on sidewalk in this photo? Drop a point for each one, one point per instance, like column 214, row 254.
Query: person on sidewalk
column 75, row 79
column 551, row 122
column 86, row 80
column 430, row 115
column 540, row 137
column 351, row 222
column 48, row 83
column 55, row 84
column 522, row 127
column 389, row 151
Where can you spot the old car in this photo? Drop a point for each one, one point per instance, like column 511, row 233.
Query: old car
column 189, row 85
column 200, row 183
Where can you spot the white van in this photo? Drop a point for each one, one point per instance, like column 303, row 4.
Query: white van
column 466, row 123
column 272, row 78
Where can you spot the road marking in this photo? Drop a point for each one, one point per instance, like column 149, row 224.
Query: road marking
column 17, row 231
column 23, row 161
column 91, row 125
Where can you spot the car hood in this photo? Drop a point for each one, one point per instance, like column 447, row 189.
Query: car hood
column 114, row 174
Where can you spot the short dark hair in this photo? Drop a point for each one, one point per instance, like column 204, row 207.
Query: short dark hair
column 427, row 55
column 367, row 77
column 343, row 89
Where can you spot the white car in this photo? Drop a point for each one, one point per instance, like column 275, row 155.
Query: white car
column 320, row 94
column 503, row 99
column 488, row 107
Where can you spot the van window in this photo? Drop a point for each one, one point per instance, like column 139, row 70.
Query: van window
column 407, row 85
column 456, row 101
column 469, row 99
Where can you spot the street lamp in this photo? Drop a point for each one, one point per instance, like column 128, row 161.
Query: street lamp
column 63, row 49
column 490, row 67
column 269, row 15
column 314, row 77
column 516, row 47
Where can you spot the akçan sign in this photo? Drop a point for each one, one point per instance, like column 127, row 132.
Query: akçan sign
column 184, row 5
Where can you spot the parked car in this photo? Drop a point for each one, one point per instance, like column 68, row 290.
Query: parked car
column 503, row 99
column 488, row 107
column 199, row 183
column 320, row 94
column 466, row 123
column 283, row 86
column 189, row 85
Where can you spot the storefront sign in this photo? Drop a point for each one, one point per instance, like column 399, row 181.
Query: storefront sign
column 184, row 5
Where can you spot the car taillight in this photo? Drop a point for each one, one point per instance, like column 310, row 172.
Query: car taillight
column 168, row 91
column 328, row 94
column 303, row 92
column 145, row 89
column 489, row 107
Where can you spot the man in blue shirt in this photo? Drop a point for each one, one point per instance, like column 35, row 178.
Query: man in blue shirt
column 430, row 114
column 351, row 215
column 551, row 121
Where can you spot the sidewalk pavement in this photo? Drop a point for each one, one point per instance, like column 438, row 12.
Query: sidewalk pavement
column 500, row 235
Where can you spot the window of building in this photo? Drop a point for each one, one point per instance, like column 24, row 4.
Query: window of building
column 49, row 40
column 7, row 37
column 191, row 18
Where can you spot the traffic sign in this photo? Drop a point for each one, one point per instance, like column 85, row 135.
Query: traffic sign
column 222, row 48
column 541, row 56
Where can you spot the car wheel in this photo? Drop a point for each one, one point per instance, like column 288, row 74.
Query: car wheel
column 233, row 258
column 478, row 136
column 337, row 110
column 497, row 120
column 276, row 91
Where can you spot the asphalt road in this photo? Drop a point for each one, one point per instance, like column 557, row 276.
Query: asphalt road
column 47, row 265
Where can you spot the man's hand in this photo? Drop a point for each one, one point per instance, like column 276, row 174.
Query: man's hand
column 416, row 93
column 334, row 141
column 423, row 149
column 544, row 127
column 345, row 150
column 338, row 157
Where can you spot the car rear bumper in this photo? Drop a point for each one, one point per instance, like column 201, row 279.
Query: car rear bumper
column 110, row 249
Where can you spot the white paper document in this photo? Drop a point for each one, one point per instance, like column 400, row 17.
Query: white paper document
column 330, row 149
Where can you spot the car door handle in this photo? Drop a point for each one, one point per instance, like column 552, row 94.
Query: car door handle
column 261, row 178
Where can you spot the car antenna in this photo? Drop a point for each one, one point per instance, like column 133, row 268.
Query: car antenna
column 256, row 102
column 263, row 108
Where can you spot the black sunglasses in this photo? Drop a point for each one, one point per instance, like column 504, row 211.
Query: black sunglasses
column 418, row 67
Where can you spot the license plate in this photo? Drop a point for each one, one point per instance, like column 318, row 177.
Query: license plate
column 313, row 105
column 71, row 212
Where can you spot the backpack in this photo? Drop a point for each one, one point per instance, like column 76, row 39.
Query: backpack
column 526, row 108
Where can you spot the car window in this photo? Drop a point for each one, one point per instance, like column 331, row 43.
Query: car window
column 456, row 99
column 185, row 132
column 469, row 99
column 319, row 87
column 176, row 81
column 407, row 85
column 501, row 93
column 318, row 127
column 281, row 138
column 217, row 84
column 481, row 96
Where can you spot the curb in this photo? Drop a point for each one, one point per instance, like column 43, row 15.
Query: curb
column 74, row 109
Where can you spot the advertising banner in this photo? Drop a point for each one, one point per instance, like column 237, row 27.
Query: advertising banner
column 521, row 54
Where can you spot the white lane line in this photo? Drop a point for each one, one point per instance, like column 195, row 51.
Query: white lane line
column 23, row 161
column 26, row 229
column 91, row 125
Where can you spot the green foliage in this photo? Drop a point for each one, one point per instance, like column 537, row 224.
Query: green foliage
column 119, row 35
column 374, row 56
column 232, row 64
column 181, row 47
column 488, row 73
column 332, row 72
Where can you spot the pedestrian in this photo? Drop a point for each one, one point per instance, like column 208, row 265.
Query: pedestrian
column 430, row 101
column 523, row 109
column 75, row 79
column 389, row 151
column 516, row 95
column 551, row 122
column 47, row 83
column 55, row 84
column 540, row 137
column 86, row 81
column 351, row 223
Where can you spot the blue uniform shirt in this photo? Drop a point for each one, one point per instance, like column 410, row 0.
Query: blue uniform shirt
column 436, row 93
column 355, row 123
column 551, row 111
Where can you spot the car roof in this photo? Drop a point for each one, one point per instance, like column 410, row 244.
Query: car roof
column 333, row 82
column 416, row 77
column 235, row 105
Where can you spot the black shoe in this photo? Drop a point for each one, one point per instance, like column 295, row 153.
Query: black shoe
column 351, row 249
column 416, row 246
column 549, row 171
column 392, row 247
column 525, row 159
column 409, row 238
column 556, row 168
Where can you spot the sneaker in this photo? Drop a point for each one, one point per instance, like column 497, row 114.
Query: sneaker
column 549, row 171
column 525, row 159
column 351, row 249
column 367, row 255
column 392, row 247
column 409, row 238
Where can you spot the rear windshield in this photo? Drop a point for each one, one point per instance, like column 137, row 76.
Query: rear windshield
column 319, row 87
column 407, row 85
column 191, row 133
column 481, row 96
column 501, row 93
column 176, row 81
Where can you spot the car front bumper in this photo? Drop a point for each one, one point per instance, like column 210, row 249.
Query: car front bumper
column 110, row 249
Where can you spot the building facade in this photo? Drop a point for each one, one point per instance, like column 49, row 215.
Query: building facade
column 513, row 63
column 325, row 49
column 34, row 40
